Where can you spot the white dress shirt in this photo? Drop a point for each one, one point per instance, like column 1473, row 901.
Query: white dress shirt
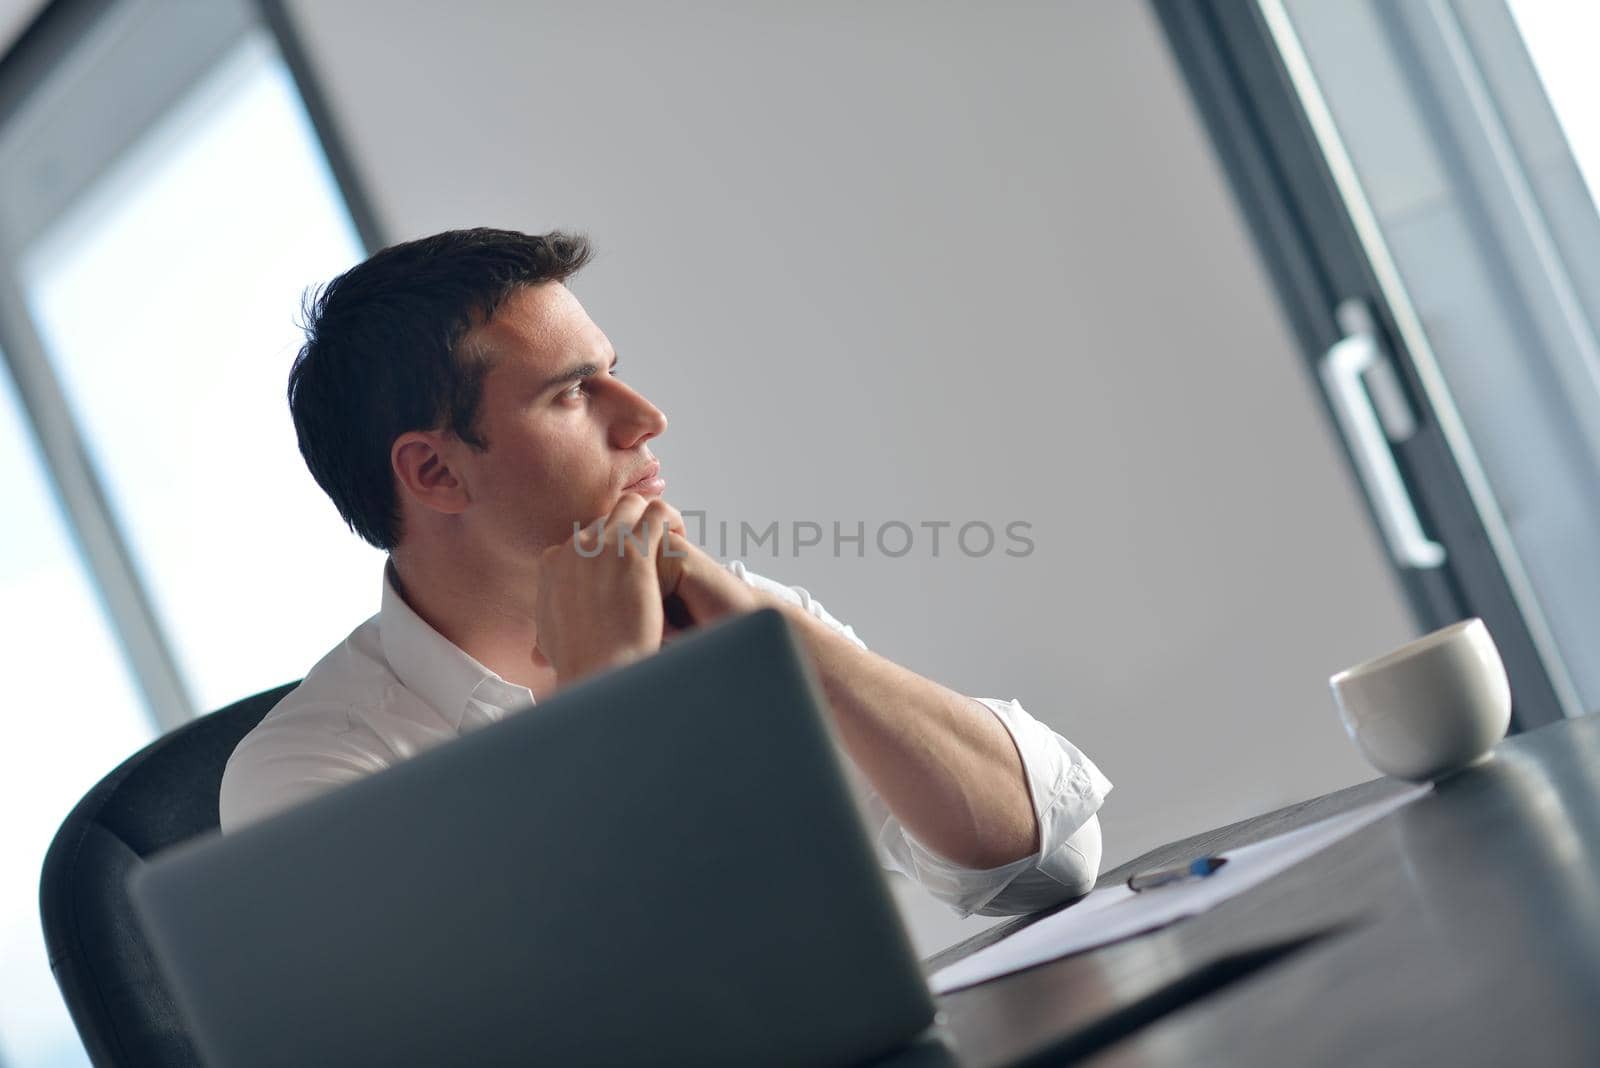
column 396, row 687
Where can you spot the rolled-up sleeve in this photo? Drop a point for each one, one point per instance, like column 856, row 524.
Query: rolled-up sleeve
column 1066, row 790
column 1065, row 787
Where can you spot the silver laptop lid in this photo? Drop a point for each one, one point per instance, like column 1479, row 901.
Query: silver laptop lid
column 506, row 899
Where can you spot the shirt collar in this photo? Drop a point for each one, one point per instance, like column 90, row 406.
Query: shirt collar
column 434, row 668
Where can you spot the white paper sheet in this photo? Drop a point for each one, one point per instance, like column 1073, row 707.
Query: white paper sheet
column 1116, row 912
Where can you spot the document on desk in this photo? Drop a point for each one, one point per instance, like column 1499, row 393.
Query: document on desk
column 1113, row 913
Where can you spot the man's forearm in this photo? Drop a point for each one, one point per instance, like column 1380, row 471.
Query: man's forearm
column 942, row 762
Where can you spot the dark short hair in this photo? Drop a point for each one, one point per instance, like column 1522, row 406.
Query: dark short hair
column 382, row 356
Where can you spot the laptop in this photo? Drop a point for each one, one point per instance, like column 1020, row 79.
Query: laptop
column 660, row 865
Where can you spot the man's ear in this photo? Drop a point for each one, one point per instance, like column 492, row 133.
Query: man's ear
column 421, row 463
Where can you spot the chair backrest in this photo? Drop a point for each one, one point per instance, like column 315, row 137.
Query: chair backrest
column 162, row 795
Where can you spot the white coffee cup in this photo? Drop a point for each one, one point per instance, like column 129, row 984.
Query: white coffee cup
column 1430, row 707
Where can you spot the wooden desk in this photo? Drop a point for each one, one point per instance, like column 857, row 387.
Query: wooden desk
column 1462, row 929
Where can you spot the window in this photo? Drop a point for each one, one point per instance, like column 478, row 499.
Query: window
column 1415, row 174
column 1559, row 36
column 164, row 202
column 73, row 713
column 166, row 297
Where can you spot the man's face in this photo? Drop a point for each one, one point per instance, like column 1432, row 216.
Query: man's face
column 566, row 437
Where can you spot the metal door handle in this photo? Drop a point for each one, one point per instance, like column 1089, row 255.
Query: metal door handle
column 1341, row 369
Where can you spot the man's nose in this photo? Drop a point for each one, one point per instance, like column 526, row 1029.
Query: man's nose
column 638, row 420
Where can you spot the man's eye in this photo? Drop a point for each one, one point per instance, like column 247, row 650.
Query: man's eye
column 573, row 391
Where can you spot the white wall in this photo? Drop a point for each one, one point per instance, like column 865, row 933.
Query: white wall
column 933, row 261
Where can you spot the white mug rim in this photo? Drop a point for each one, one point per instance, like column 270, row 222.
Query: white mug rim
column 1407, row 651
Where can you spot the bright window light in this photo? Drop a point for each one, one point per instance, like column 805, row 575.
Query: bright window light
column 167, row 298
column 1560, row 37
column 73, row 713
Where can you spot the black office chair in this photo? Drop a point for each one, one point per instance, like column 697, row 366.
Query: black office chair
column 162, row 795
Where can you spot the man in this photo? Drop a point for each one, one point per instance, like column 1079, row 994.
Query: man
column 467, row 417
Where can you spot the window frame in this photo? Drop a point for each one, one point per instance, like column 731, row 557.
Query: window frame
column 1303, row 226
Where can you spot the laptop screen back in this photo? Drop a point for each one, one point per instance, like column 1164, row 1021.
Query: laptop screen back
column 660, row 865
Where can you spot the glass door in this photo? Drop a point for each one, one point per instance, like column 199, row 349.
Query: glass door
column 1411, row 174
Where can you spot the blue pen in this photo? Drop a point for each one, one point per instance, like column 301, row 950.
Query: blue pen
column 1198, row 868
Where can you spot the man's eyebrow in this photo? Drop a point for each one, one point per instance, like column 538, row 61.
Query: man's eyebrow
column 582, row 370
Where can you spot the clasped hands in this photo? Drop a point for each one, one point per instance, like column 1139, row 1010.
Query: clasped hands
column 604, row 592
